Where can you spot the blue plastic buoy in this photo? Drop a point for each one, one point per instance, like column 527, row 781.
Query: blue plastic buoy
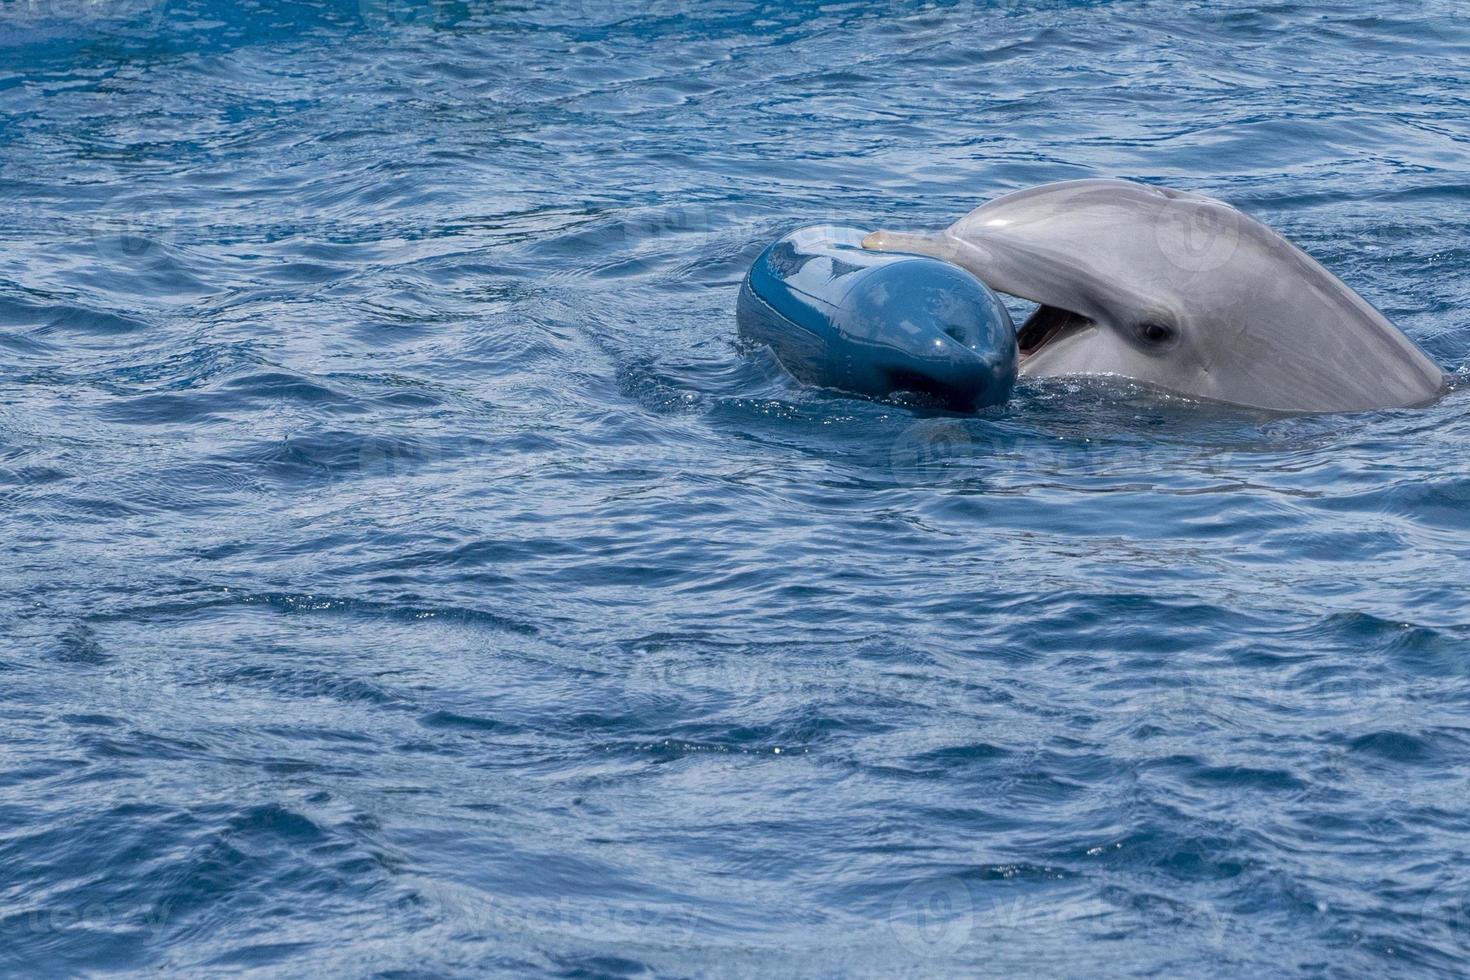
column 878, row 323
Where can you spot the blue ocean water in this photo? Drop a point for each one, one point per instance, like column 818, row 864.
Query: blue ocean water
column 406, row 575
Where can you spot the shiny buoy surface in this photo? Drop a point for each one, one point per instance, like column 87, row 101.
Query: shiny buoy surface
column 878, row 323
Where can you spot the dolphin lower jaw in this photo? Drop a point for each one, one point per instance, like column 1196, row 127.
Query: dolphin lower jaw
column 1047, row 325
column 1079, row 348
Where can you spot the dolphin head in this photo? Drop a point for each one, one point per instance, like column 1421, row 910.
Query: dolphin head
column 1183, row 292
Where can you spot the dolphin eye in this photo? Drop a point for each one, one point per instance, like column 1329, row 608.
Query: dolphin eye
column 1154, row 333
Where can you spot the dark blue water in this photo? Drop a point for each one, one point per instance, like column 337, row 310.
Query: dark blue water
column 405, row 575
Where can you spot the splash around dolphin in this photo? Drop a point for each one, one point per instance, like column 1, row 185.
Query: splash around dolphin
column 1183, row 292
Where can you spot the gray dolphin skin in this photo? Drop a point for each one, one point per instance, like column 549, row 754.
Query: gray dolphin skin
column 1183, row 292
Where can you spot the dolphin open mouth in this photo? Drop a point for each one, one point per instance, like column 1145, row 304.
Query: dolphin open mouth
column 1045, row 326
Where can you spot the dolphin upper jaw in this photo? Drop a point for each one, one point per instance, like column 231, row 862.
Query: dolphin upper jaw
column 943, row 245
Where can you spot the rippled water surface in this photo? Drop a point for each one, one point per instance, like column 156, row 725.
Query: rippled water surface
column 406, row 575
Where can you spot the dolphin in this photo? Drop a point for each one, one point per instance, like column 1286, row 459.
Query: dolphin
column 1183, row 292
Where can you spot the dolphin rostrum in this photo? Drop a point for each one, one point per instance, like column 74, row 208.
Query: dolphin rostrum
column 1180, row 291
